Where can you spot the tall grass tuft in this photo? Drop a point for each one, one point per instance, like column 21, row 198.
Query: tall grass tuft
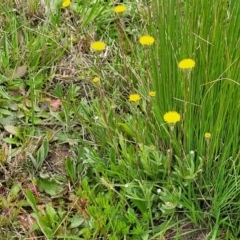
column 207, row 32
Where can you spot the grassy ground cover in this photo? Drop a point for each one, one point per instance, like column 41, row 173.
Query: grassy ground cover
column 119, row 120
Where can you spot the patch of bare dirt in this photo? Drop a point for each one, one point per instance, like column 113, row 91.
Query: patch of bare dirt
column 187, row 231
column 57, row 156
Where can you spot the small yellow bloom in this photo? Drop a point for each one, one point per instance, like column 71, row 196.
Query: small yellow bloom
column 134, row 97
column 98, row 46
column 96, row 79
column 171, row 117
column 207, row 135
column 186, row 64
column 146, row 40
column 152, row 94
column 120, row 9
column 66, row 3
column 152, row 147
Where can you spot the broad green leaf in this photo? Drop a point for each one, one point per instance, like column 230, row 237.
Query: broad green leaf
column 70, row 168
column 31, row 199
column 15, row 189
column 76, row 222
column 145, row 235
column 52, row 214
column 12, row 141
column 8, row 120
column 124, row 127
column 49, row 186
column 4, row 111
column 42, row 153
column 13, row 130
column 4, row 94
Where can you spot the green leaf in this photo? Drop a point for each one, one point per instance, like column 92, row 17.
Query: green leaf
column 43, row 222
column 145, row 235
column 3, row 79
column 76, row 222
column 15, row 189
column 52, row 214
column 71, row 170
column 13, row 130
column 42, row 153
column 4, row 111
column 49, row 186
column 8, row 120
column 12, row 141
column 58, row 91
column 124, row 127
column 31, row 199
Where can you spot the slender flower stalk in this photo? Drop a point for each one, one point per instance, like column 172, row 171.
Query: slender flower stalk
column 186, row 65
column 171, row 118
column 98, row 47
column 119, row 19
column 207, row 139
column 170, row 149
column 146, row 41
column 135, row 98
column 148, row 113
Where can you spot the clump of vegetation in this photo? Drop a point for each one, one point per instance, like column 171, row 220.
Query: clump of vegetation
column 119, row 120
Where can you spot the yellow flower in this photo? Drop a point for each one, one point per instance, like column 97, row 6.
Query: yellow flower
column 152, row 94
column 98, row 46
column 207, row 135
column 171, row 117
column 120, row 9
column 96, row 79
column 134, row 97
column 152, row 147
column 186, row 64
column 66, row 3
column 146, row 40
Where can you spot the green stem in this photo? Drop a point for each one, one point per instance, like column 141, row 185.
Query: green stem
column 136, row 147
column 170, row 150
column 186, row 101
column 102, row 105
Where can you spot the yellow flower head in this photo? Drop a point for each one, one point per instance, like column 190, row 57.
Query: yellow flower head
column 96, row 79
column 66, row 3
column 134, row 97
column 171, row 117
column 120, row 9
column 207, row 135
column 146, row 40
column 152, row 94
column 98, row 46
column 186, row 64
column 152, row 147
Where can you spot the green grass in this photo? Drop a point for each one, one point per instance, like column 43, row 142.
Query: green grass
column 78, row 160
